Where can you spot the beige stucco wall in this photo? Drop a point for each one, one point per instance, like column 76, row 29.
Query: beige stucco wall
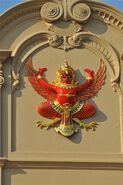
column 60, row 177
column 31, row 155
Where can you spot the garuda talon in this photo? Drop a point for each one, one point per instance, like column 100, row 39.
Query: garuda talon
column 66, row 100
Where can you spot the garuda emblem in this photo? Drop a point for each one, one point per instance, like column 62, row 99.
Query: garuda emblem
column 66, row 99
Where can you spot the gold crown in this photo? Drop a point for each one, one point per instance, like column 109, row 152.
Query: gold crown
column 65, row 67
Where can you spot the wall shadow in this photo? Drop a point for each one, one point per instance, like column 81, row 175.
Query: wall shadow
column 96, row 27
column 6, row 96
column 99, row 118
column 8, row 173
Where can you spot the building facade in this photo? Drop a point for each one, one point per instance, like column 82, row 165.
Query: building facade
column 83, row 33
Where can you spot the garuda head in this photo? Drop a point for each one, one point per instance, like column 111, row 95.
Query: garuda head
column 65, row 75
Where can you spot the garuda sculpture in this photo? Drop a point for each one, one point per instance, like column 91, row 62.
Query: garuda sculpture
column 66, row 100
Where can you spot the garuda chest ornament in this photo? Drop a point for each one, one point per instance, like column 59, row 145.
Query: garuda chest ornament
column 66, row 103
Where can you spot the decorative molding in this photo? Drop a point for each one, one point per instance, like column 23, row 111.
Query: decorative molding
column 94, row 165
column 80, row 39
column 4, row 55
column 61, row 43
column 76, row 27
column 51, row 11
column 103, row 47
column 29, row 164
column 1, row 75
column 75, row 10
column 25, row 49
column 27, row 11
column 79, row 11
column 100, row 45
column 89, row 40
column 108, row 17
column 63, row 165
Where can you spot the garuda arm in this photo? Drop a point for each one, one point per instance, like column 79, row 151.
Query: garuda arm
column 93, row 84
column 39, row 83
column 88, row 81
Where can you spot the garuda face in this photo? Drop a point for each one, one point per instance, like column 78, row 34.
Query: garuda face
column 66, row 100
column 65, row 75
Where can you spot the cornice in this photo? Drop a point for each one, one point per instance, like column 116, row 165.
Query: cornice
column 95, row 4
column 108, row 15
column 22, row 164
column 9, row 17
column 64, row 165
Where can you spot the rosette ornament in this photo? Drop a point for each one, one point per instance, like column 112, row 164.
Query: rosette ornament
column 78, row 11
column 51, row 11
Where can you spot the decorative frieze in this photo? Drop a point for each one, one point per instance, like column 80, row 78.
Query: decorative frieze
column 108, row 18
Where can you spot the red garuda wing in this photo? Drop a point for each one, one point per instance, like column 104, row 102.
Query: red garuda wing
column 46, row 92
column 95, row 86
